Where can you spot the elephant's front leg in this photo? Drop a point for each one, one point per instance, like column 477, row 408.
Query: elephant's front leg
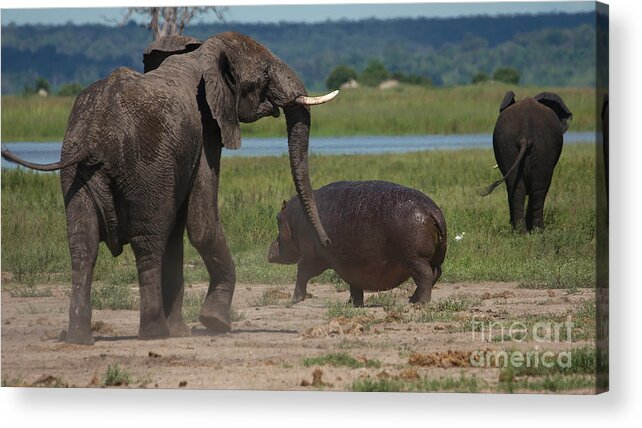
column 149, row 255
column 172, row 281
column 206, row 235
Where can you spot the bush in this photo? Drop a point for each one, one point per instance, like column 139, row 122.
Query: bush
column 412, row 79
column 374, row 74
column 480, row 77
column 340, row 75
column 70, row 90
column 506, row 75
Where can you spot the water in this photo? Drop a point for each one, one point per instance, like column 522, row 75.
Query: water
column 50, row 151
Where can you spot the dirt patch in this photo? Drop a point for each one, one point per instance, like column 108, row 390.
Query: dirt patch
column 268, row 344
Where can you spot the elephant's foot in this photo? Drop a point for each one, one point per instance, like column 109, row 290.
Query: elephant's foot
column 179, row 329
column 357, row 303
column 216, row 317
column 78, row 336
column 150, row 331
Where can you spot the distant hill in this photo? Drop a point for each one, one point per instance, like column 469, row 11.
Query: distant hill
column 548, row 49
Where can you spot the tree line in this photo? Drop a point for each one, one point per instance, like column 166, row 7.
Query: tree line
column 547, row 50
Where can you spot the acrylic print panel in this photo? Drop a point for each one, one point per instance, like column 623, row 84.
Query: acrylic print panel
column 188, row 249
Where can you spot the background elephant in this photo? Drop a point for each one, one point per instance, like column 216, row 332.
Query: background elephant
column 527, row 142
column 140, row 162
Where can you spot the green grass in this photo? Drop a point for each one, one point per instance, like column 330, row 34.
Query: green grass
column 340, row 360
column 113, row 296
column 35, row 247
column 116, row 376
column 404, row 110
column 425, row 384
column 346, row 310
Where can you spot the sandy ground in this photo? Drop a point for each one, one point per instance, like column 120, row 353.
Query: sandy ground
column 267, row 346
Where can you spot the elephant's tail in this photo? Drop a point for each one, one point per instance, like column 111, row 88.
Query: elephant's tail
column 12, row 157
column 524, row 145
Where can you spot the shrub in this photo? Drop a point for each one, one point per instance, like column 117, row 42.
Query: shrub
column 340, row 75
column 70, row 89
column 480, row 77
column 506, row 75
column 374, row 73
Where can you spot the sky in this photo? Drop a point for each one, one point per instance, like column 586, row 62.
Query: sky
column 14, row 11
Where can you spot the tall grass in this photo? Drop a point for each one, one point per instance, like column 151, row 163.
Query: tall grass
column 405, row 110
column 34, row 246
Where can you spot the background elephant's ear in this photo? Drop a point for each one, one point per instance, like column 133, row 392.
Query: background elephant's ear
column 555, row 103
column 166, row 46
column 222, row 97
column 509, row 100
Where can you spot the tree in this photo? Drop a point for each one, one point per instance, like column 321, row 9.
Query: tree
column 374, row 73
column 165, row 21
column 340, row 75
column 506, row 75
column 480, row 77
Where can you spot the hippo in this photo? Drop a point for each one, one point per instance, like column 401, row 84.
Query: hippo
column 381, row 234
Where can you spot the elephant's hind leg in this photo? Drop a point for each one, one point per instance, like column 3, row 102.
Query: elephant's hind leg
column 149, row 255
column 516, row 202
column 83, row 236
column 172, row 281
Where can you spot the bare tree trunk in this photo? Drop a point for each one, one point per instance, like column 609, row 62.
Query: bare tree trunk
column 165, row 21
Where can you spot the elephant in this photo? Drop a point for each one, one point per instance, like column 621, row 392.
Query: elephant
column 527, row 142
column 382, row 234
column 140, row 163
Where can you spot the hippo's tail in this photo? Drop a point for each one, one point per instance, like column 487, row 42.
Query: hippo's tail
column 442, row 236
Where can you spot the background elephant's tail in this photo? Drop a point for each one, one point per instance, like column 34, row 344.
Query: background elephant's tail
column 12, row 157
column 524, row 145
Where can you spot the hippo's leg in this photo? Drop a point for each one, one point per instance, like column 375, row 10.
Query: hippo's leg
column 356, row 297
column 424, row 277
column 306, row 270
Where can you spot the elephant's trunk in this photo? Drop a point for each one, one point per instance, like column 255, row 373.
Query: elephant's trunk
column 298, row 122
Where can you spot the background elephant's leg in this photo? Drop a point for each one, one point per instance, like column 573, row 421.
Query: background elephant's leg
column 516, row 202
column 535, row 211
column 172, row 281
column 148, row 250
column 423, row 275
column 83, row 236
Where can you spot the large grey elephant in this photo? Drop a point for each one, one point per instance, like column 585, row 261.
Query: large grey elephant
column 140, row 162
column 527, row 142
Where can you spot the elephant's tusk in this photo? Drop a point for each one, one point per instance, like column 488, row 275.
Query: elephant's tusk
column 496, row 166
column 312, row 101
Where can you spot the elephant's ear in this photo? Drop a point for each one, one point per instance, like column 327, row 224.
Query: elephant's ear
column 166, row 46
column 222, row 94
column 509, row 100
column 555, row 103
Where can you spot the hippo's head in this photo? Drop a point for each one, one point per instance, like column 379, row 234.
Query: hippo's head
column 283, row 249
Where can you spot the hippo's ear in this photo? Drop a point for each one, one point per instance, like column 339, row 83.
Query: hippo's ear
column 509, row 100
column 555, row 103
column 285, row 232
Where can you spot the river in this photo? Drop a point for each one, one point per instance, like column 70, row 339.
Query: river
column 47, row 152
